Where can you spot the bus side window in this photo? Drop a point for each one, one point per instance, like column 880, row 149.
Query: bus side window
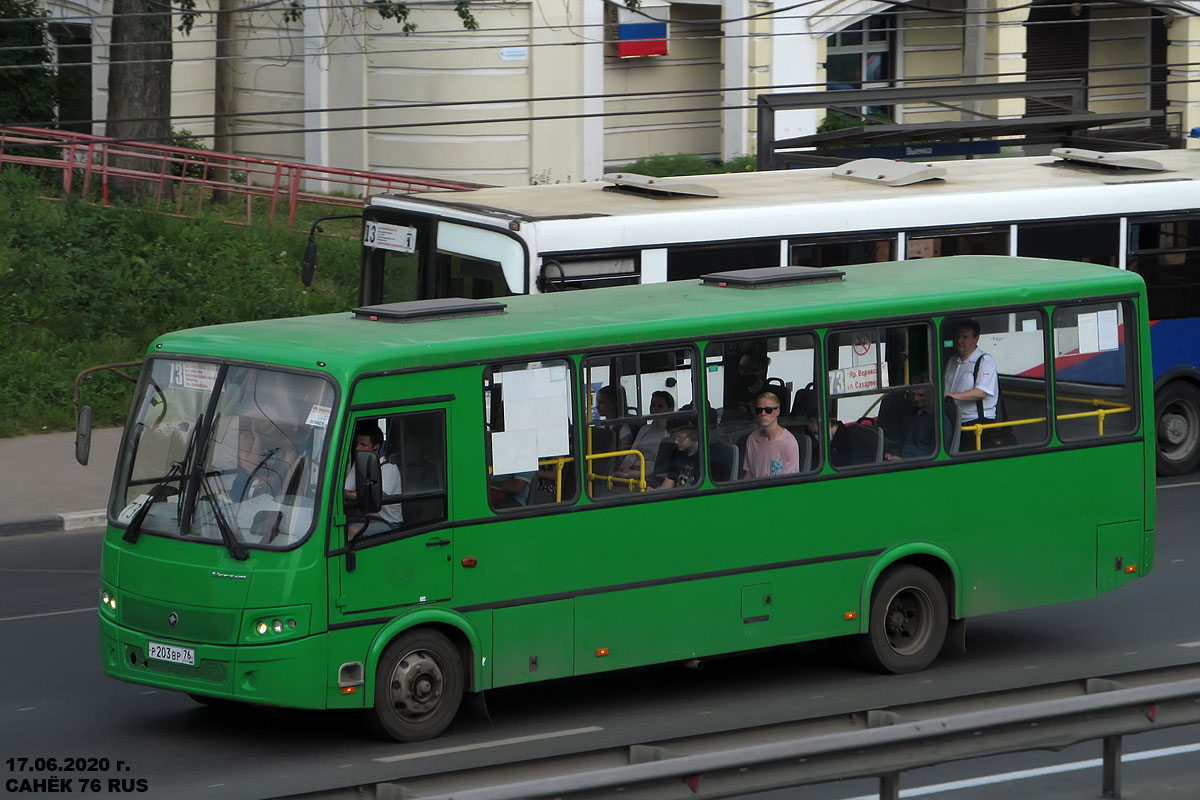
column 1015, row 343
column 412, row 452
column 739, row 373
column 1094, row 381
column 881, row 395
column 528, row 410
column 643, row 431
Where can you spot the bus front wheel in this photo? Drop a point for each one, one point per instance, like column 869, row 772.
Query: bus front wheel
column 418, row 686
column 1177, row 416
column 908, row 621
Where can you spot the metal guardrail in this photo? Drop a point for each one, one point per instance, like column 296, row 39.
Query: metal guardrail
column 886, row 748
column 183, row 180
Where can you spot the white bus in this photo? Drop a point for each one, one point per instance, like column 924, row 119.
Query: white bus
column 1138, row 211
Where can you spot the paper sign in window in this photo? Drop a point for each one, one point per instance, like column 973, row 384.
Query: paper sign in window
column 1107, row 327
column 514, row 451
column 1089, row 334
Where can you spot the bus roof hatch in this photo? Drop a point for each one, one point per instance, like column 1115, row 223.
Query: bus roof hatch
column 887, row 172
column 770, row 277
column 422, row 310
column 646, row 184
column 1076, row 155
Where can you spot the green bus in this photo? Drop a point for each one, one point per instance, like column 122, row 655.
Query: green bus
column 390, row 508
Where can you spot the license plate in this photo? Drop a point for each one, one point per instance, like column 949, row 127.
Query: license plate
column 171, row 653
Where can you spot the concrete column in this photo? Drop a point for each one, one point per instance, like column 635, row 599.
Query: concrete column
column 592, row 142
column 794, row 62
column 555, row 146
column 316, row 85
column 1003, row 52
column 1183, row 76
column 735, row 72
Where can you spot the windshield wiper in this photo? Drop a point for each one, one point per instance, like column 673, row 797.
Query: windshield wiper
column 236, row 549
column 161, row 491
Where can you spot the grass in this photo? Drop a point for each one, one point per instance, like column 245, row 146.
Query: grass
column 86, row 285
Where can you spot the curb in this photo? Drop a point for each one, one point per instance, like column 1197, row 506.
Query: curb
column 70, row 521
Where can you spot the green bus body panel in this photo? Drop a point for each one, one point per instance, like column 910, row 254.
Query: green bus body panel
column 533, row 642
column 595, row 587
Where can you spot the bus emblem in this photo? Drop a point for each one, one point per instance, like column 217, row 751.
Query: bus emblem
column 172, row 619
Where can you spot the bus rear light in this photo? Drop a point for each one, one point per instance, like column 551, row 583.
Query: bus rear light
column 1131, row 568
column 349, row 689
column 851, row 615
column 601, row 652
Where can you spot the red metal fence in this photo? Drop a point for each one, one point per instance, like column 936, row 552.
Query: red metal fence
column 183, row 180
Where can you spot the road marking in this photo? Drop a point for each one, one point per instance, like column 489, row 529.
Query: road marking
column 1178, row 485
column 27, row 708
column 49, row 614
column 53, row 571
column 1056, row 769
column 1188, row 644
column 496, row 743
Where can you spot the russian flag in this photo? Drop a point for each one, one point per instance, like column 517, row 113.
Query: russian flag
column 639, row 35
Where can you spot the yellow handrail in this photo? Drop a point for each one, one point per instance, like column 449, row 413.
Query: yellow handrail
column 1099, row 413
column 639, row 482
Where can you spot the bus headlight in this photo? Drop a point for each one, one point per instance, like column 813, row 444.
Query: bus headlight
column 108, row 601
column 269, row 625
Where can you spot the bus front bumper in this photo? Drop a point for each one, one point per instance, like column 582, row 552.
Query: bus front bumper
column 285, row 674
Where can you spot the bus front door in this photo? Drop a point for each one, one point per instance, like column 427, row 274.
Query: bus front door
column 402, row 556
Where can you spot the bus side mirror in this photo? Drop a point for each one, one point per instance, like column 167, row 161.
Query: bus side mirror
column 368, row 482
column 310, row 261
column 83, row 435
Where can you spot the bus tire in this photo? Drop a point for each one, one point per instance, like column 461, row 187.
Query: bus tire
column 908, row 621
column 418, row 686
column 1177, row 428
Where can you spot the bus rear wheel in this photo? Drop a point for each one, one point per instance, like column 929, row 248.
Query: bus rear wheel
column 418, row 686
column 908, row 621
column 1177, row 425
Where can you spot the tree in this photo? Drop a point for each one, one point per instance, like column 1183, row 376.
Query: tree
column 29, row 94
column 139, row 84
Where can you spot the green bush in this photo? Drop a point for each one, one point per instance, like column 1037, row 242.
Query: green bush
column 663, row 166
column 85, row 285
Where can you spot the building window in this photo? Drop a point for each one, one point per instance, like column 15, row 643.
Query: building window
column 860, row 57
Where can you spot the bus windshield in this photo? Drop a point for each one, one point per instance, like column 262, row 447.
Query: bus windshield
column 222, row 453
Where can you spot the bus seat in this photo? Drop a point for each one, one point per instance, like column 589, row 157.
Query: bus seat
column 724, row 462
column 604, row 440
column 858, row 444
column 805, row 443
column 895, row 415
column 805, row 405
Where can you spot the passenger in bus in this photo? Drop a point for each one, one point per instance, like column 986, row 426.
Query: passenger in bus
column 649, row 437
column 683, row 468
column 772, row 449
column 610, row 404
column 369, row 438
column 919, row 432
column 972, row 380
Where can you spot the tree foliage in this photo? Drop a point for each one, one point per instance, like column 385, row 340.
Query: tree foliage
column 29, row 94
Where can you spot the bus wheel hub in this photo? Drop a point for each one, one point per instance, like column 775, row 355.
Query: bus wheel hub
column 1174, row 428
column 416, row 684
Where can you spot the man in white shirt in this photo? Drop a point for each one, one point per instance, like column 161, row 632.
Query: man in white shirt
column 972, row 389
column 369, row 438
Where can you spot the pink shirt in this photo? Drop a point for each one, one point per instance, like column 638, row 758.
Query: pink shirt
column 767, row 457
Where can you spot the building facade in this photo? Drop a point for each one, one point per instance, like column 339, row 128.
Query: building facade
column 545, row 92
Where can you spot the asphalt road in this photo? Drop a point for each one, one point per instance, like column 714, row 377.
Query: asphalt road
column 56, row 703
